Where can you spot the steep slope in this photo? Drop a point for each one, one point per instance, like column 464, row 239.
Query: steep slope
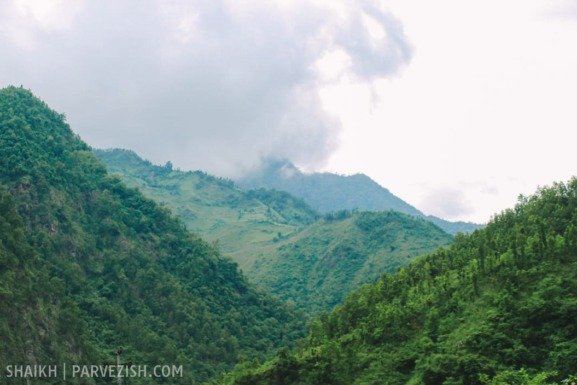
column 327, row 192
column 33, row 307
column 319, row 266
column 89, row 265
column 270, row 234
column 242, row 222
column 498, row 306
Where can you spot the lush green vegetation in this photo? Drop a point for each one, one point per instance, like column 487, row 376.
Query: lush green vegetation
column 273, row 237
column 243, row 223
column 327, row 192
column 496, row 307
column 319, row 266
column 88, row 265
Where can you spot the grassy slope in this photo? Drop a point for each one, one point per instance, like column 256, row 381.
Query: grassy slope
column 243, row 223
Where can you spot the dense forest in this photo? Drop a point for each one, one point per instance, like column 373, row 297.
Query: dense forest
column 328, row 192
column 309, row 259
column 496, row 307
column 319, row 266
column 89, row 266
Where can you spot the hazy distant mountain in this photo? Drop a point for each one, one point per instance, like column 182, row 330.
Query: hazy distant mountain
column 327, row 192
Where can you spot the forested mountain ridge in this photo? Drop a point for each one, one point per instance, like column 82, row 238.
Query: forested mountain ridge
column 328, row 192
column 88, row 265
column 273, row 237
column 327, row 260
column 243, row 222
column 496, row 307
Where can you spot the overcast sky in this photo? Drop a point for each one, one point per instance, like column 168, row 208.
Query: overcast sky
column 455, row 106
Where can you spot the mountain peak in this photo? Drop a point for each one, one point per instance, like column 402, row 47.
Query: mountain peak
column 275, row 167
column 328, row 192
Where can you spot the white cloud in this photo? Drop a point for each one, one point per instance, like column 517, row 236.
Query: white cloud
column 562, row 9
column 488, row 98
column 446, row 202
column 216, row 85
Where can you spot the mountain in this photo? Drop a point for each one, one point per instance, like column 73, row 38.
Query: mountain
column 89, row 267
column 280, row 242
column 327, row 192
column 242, row 222
column 496, row 307
column 327, row 260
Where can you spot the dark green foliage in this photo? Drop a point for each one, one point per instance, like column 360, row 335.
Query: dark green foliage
column 327, row 192
column 88, row 265
column 33, row 310
column 496, row 307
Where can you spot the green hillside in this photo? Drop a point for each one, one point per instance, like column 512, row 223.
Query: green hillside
column 496, row 307
column 319, row 266
column 328, row 192
column 242, row 222
column 272, row 237
column 88, row 266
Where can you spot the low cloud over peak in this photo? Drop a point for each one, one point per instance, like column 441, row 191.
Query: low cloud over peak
column 215, row 85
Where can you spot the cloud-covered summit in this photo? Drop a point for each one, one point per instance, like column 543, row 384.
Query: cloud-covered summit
column 215, row 85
